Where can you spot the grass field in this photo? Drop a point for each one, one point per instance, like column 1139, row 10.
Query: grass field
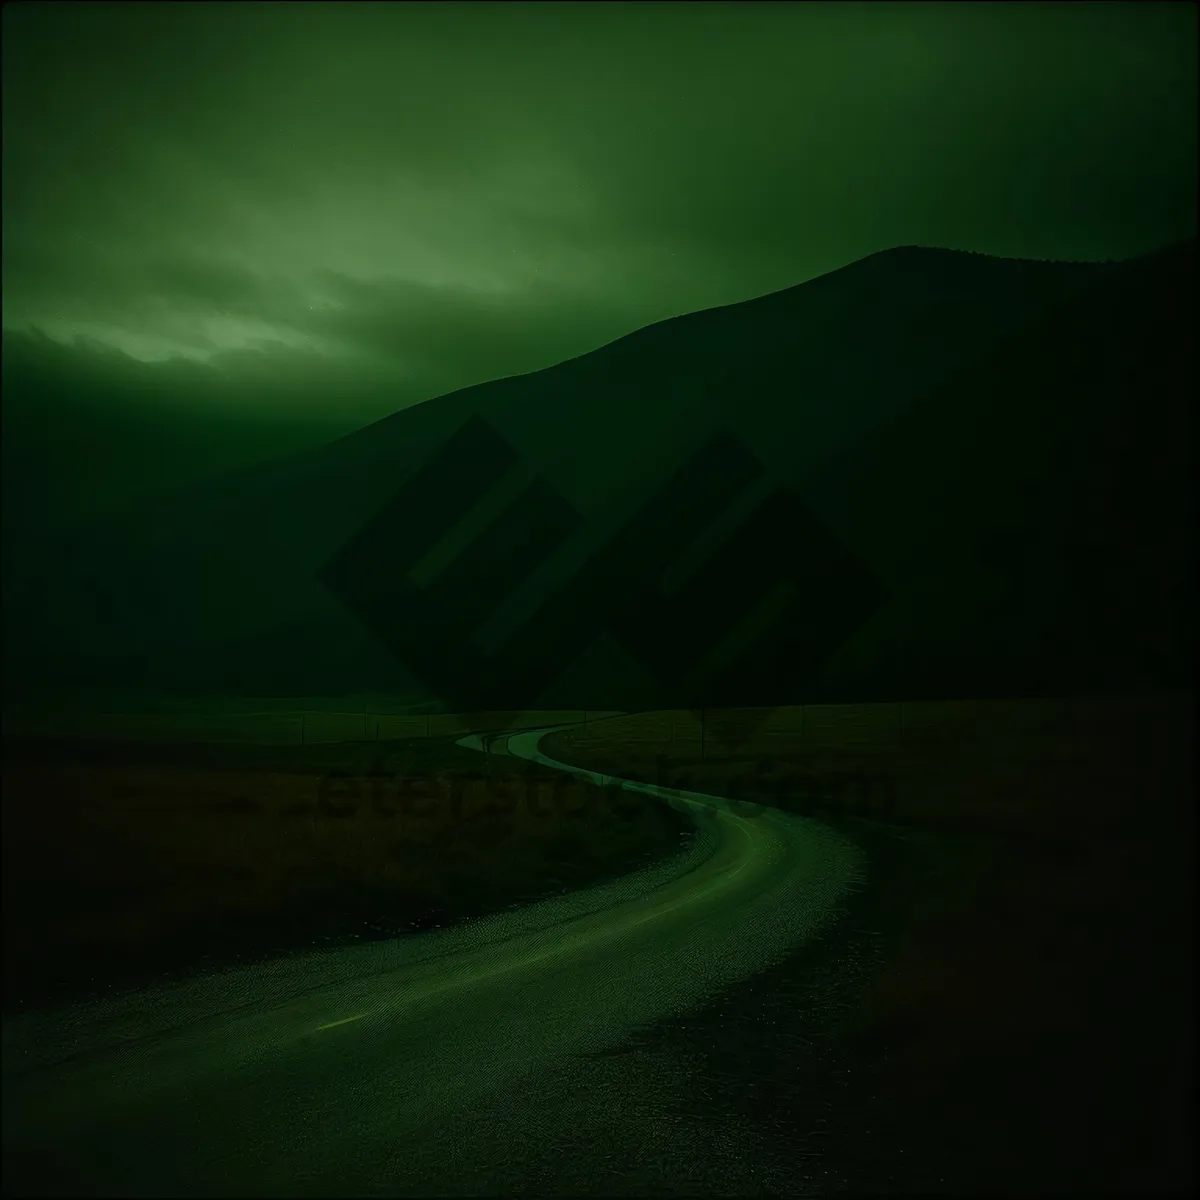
column 259, row 721
column 1050, row 770
column 125, row 860
column 1028, row 1022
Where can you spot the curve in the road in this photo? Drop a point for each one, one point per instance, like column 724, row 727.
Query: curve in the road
column 328, row 1072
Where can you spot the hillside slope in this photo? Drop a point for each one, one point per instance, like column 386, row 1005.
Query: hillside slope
column 953, row 430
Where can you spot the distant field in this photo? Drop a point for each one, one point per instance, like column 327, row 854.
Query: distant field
column 289, row 721
column 1033, row 869
column 124, row 859
column 1058, row 768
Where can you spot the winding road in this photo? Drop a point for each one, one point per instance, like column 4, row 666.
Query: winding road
column 363, row 1070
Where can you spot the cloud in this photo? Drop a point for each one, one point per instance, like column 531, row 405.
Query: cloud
column 356, row 206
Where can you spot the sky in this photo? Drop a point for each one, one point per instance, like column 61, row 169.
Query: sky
column 235, row 230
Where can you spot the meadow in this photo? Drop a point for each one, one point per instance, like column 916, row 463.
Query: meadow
column 128, row 860
column 1060, row 771
column 1029, row 924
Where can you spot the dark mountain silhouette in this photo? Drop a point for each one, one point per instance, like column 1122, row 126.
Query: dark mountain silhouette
column 1043, row 543
column 958, row 475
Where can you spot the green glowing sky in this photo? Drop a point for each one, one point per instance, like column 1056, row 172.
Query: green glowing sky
column 264, row 225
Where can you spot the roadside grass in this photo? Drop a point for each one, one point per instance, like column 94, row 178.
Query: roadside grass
column 125, row 862
column 1058, row 772
column 1026, row 1024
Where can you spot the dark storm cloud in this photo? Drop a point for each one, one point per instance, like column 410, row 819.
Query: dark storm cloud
column 424, row 327
column 397, row 200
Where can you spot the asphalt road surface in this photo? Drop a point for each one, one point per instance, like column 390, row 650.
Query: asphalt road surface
column 457, row 1061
